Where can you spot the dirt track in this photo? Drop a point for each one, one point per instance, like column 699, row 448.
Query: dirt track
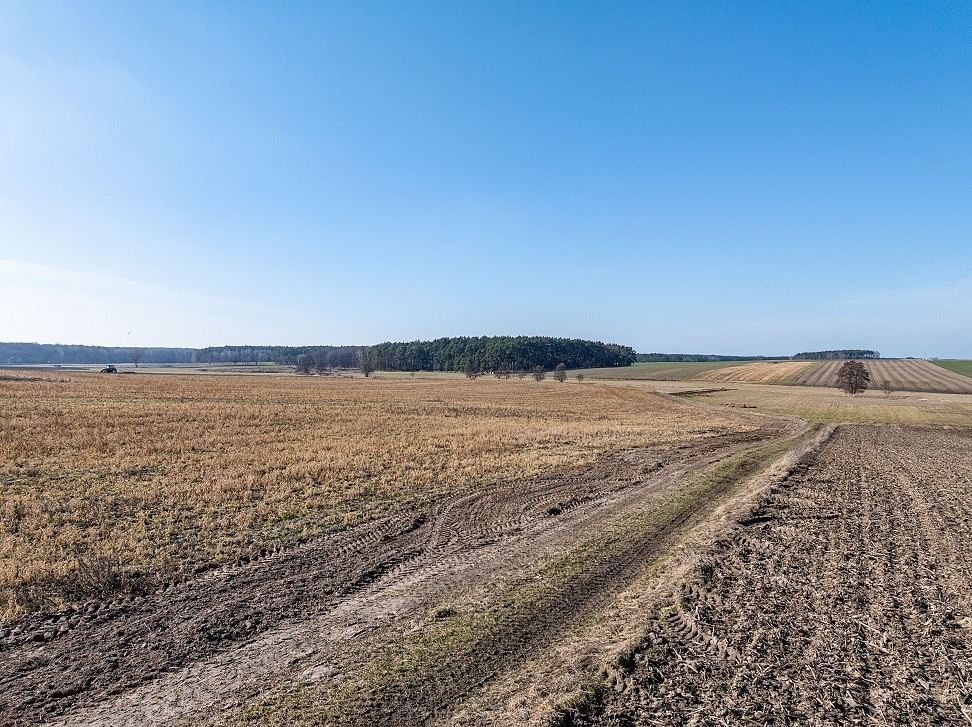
column 319, row 612
column 844, row 598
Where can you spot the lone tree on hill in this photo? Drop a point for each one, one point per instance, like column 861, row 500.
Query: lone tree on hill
column 560, row 373
column 538, row 373
column 304, row 363
column 853, row 377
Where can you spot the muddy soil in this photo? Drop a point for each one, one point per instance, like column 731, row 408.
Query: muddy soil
column 844, row 598
column 226, row 636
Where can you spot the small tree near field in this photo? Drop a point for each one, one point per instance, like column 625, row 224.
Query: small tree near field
column 472, row 369
column 365, row 365
column 304, row 363
column 580, row 378
column 136, row 356
column 853, row 377
column 320, row 362
column 887, row 388
column 538, row 373
column 560, row 373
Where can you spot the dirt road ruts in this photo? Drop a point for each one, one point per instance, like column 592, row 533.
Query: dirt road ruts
column 163, row 658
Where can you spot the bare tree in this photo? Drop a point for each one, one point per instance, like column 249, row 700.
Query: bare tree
column 320, row 362
column 560, row 373
column 366, row 367
column 853, row 377
column 305, row 362
column 887, row 388
column 538, row 373
column 472, row 369
column 580, row 377
column 136, row 356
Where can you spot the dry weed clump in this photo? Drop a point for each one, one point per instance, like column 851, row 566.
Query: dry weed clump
column 118, row 483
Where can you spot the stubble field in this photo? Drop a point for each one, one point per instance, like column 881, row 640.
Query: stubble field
column 120, row 483
column 225, row 550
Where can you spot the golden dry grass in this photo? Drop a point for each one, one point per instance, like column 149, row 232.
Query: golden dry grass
column 817, row 404
column 113, row 483
column 761, row 372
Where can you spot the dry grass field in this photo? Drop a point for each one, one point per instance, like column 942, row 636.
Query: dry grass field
column 818, row 404
column 655, row 371
column 225, row 550
column 118, row 483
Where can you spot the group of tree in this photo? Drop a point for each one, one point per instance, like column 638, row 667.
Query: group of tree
column 497, row 353
column 837, row 355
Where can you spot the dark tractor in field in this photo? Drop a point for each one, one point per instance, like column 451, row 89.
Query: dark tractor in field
column 109, row 369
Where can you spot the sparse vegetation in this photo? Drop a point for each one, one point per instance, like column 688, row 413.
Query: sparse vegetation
column 150, row 475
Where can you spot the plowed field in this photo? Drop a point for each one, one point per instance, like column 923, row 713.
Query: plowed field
column 901, row 374
column 761, row 372
column 844, row 598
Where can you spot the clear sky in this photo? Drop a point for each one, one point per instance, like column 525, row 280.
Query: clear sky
column 717, row 177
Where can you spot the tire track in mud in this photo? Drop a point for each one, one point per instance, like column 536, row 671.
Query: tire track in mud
column 164, row 657
column 842, row 599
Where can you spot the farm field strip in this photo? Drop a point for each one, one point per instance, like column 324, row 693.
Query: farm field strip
column 655, row 370
column 901, row 374
column 119, row 484
column 842, row 599
column 348, row 603
column 957, row 366
column 776, row 372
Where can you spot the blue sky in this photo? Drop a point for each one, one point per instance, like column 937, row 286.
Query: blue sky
column 717, row 177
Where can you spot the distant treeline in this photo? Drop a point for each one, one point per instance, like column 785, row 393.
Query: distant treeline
column 840, row 354
column 497, row 353
column 56, row 353
column 488, row 353
column 806, row 355
column 485, row 353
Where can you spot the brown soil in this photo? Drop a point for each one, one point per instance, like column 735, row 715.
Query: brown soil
column 843, row 598
column 901, row 375
column 318, row 614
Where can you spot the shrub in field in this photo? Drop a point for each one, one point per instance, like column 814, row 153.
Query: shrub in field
column 853, row 377
column 560, row 373
column 539, row 374
column 580, row 378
